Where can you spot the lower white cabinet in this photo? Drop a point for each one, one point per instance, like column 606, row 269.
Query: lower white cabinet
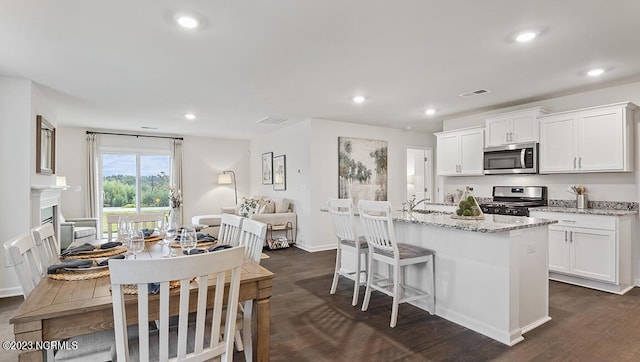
column 589, row 253
column 594, row 251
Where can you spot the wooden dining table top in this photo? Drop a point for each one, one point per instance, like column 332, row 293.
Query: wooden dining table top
column 58, row 309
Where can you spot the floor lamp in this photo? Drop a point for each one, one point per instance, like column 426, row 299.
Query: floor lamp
column 228, row 178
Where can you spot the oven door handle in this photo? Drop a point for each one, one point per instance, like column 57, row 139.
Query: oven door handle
column 522, row 158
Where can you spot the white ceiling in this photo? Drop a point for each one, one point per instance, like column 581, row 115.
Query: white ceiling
column 123, row 64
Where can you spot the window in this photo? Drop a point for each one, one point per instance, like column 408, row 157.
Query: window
column 135, row 182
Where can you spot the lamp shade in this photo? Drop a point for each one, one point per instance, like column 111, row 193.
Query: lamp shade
column 225, row 179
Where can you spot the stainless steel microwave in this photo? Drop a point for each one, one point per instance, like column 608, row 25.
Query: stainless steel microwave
column 518, row 158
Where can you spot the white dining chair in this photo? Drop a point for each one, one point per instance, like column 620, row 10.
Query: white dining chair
column 182, row 345
column 44, row 237
column 377, row 225
column 341, row 211
column 21, row 254
column 252, row 236
column 230, row 226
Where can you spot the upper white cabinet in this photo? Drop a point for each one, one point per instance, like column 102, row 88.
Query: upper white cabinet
column 513, row 127
column 597, row 139
column 459, row 152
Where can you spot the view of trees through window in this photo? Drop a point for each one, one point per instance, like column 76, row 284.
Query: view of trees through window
column 135, row 182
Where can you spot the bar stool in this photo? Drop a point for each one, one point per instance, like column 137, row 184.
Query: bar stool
column 378, row 229
column 341, row 211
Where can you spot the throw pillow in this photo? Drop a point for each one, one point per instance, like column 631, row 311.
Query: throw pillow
column 267, row 207
column 282, row 205
column 248, row 207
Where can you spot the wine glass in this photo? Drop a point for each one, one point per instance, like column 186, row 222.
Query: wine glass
column 124, row 227
column 188, row 239
column 137, row 243
column 168, row 236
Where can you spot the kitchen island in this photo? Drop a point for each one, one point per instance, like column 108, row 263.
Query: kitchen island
column 491, row 275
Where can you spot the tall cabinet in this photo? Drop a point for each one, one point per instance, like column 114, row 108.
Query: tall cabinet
column 597, row 139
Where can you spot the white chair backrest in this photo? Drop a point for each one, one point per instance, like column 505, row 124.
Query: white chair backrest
column 163, row 271
column 341, row 211
column 21, row 254
column 230, row 229
column 252, row 236
column 377, row 225
column 147, row 220
column 44, row 237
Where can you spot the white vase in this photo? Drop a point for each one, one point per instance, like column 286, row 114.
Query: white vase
column 175, row 218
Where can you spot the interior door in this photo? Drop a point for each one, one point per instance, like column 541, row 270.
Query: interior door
column 419, row 174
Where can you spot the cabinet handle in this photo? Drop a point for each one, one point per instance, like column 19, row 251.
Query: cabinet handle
column 580, row 162
column 571, row 236
column 568, row 220
column 574, row 162
column 565, row 236
column 511, row 136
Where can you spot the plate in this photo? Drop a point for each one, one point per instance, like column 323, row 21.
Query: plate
column 94, row 250
column 87, row 269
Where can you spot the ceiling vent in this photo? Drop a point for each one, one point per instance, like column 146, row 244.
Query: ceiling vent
column 271, row 120
column 474, row 93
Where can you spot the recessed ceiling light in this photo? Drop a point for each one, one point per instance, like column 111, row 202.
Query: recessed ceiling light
column 187, row 22
column 526, row 36
column 359, row 99
column 595, row 72
column 430, row 112
column 190, row 116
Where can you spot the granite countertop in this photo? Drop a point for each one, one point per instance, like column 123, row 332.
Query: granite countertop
column 573, row 210
column 491, row 223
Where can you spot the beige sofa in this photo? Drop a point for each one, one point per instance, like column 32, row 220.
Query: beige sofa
column 281, row 214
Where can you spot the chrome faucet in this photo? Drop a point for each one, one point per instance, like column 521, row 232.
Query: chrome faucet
column 411, row 203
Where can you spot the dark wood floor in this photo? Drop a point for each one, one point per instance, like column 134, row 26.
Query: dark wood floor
column 309, row 324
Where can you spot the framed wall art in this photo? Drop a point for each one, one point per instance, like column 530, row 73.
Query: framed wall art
column 267, row 168
column 45, row 147
column 280, row 173
column 362, row 169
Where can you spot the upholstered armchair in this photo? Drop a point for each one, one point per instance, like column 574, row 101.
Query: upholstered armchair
column 77, row 231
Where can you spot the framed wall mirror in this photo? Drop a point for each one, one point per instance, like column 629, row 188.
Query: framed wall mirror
column 45, row 147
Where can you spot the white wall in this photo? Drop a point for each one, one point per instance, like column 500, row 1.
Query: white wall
column 324, row 170
column 203, row 158
column 600, row 186
column 20, row 102
column 293, row 142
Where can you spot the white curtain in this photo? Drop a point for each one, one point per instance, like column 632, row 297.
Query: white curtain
column 176, row 167
column 93, row 176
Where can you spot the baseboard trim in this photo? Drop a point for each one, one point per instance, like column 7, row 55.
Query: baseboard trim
column 10, row 292
column 315, row 248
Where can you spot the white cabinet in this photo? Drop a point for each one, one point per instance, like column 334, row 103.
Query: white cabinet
column 513, row 127
column 598, row 139
column 591, row 250
column 459, row 152
column 589, row 253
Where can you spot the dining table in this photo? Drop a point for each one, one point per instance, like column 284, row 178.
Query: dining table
column 61, row 309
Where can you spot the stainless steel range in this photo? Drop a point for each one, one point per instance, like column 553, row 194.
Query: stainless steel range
column 515, row 200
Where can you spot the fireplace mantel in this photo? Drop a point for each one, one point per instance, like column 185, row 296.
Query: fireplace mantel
column 42, row 197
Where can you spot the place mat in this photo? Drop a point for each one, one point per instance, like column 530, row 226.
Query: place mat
column 132, row 289
column 153, row 238
column 80, row 274
column 98, row 253
column 176, row 244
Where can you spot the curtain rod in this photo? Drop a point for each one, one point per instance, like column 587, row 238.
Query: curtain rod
column 135, row 135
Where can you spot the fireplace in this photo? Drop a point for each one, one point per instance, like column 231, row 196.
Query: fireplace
column 45, row 201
